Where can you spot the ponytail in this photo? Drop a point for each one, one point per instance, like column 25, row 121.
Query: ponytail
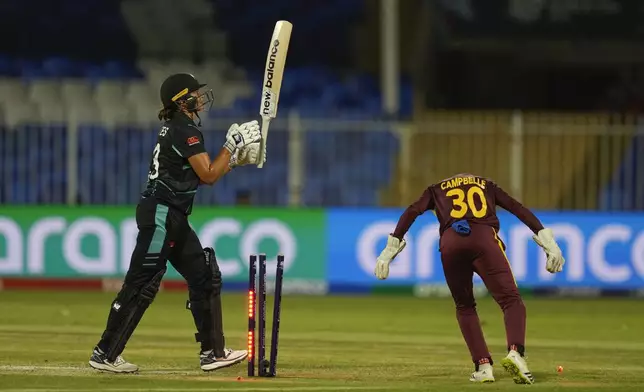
column 166, row 114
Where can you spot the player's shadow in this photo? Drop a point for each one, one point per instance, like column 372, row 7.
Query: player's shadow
column 543, row 376
column 501, row 375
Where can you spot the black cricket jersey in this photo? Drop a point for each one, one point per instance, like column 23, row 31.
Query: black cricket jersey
column 171, row 179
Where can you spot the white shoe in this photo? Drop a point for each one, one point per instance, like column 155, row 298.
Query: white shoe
column 231, row 357
column 484, row 374
column 99, row 361
column 515, row 364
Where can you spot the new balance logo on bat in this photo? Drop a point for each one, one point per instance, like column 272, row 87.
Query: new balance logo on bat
column 271, row 64
column 267, row 106
column 268, row 97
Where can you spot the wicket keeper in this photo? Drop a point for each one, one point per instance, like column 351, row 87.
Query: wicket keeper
column 178, row 165
column 465, row 206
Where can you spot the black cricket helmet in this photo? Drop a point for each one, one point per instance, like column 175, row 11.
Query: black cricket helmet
column 177, row 90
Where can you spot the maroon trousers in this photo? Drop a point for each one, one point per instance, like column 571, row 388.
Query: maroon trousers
column 484, row 253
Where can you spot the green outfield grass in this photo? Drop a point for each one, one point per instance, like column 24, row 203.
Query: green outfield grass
column 376, row 343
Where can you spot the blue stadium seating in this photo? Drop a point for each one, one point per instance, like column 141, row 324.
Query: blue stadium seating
column 321, row 36
column 336, row 173
column 322, row 29
column 317, row 92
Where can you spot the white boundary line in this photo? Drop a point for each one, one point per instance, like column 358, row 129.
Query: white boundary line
column 31, row 368
column 26, row 368
column 162, row 389
column 77, row 370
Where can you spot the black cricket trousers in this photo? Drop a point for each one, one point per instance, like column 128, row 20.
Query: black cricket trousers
column 165, row 235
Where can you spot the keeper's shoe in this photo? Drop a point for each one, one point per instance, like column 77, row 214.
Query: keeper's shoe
column 483, row 375
column 515, row 364
column 231, row 357
column 99, row 361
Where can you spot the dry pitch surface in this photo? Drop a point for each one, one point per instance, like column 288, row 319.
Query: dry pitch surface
column 373, row 343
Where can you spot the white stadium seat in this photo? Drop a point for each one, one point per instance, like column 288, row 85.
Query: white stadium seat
column 139, row 92
column 17, row 113
column 83, row 112
column 12, row 90
column 115, row 113
column 109, row 92
column 52, row 112
column 44, row 91
column 146, row 113
column 75, row 91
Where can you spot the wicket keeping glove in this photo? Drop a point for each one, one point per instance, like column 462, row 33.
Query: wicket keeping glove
column 241, row 135
column 546, row 239
column 393, row 248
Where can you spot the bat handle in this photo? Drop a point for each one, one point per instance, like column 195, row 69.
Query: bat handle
column 265, row 123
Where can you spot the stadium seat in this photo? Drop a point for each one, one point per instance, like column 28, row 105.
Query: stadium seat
column 12, row 90
column 82, row 112
column 75, row 91
column 52, row 112
column 19, row 112
column 109, row 92
column 140, row 92
column 60, row 67
column 44, row 91
column 115, row 113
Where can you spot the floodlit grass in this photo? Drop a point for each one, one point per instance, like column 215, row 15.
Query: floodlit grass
column 375, row 343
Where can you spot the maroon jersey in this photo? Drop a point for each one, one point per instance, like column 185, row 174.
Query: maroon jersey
column 465, row 197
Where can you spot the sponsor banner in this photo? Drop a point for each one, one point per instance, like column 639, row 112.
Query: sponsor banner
column 325, row 252
column 601, row 249
column 61, row 242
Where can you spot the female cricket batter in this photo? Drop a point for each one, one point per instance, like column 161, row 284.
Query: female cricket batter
column 178, row 165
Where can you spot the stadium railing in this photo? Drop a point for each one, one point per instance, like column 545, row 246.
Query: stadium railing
column 562, row 161
column 311, row 162
column 548, row 160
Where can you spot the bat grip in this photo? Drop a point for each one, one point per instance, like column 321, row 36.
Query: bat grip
column 265, row 123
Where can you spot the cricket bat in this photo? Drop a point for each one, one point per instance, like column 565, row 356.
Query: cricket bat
column 272, row 85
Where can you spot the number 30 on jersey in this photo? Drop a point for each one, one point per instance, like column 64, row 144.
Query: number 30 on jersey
column 154, row 172
column 462, row 202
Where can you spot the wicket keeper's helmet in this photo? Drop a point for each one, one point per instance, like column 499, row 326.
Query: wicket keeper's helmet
column 177, row 89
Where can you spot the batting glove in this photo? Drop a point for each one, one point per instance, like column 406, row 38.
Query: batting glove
column 393, row 248
column 241, row 135
column 546, row 240
column 247, row 155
